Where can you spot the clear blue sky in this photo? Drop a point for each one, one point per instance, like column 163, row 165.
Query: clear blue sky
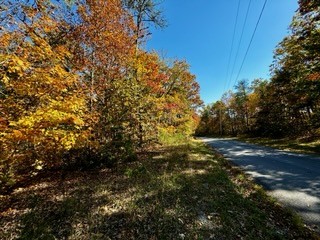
column 200, row 32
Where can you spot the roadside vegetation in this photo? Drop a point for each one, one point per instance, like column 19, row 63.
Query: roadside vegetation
column 77, row 89
column 299, row 145
column 95, row 133
column 285, row 106
column 174, row 192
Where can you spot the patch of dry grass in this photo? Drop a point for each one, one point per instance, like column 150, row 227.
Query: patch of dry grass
column 177, row 192
column 300, row 145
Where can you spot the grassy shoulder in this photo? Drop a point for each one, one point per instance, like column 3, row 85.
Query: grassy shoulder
column 175, row 192
column 300, row 145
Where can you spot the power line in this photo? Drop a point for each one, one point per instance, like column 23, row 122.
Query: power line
column 240, row 41
column 231, row 50
column 254, row 32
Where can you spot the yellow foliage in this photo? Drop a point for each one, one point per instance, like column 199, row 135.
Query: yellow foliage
column 49, row 108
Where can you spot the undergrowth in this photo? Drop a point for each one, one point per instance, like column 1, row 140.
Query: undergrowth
column 177, row 192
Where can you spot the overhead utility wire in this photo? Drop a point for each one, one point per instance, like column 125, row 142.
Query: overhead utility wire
column 231, row 50
column 254, row 32
column 239, row 44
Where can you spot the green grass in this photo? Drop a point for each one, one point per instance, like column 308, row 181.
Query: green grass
column 168, row 138
column 300, row 145
column 177, row 192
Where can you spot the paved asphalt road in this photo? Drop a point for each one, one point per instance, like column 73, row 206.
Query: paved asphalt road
column 294, row 179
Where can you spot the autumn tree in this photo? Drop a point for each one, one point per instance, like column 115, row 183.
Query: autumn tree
column 307, row 6
column 236, row 112
column 295, row 75
column 180, row 98
column 288, row 104
column 76, row 86
column 145, row 13
column 43, row 106
column 104, row 53
column 171, row 95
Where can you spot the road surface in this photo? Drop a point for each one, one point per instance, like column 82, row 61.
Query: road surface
column 294, row 179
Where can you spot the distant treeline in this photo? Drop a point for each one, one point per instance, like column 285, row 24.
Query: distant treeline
column 286, row 105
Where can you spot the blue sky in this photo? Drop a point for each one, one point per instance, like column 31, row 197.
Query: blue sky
column 200, row 32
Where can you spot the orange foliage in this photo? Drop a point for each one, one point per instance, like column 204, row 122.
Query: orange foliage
column 73, row 78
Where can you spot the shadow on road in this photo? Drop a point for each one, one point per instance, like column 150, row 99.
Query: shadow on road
column 294, row 179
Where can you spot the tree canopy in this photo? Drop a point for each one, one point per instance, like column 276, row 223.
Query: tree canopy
column 76, row 88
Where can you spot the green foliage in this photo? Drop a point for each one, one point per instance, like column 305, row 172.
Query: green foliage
column 168, row 136
column 136, row 172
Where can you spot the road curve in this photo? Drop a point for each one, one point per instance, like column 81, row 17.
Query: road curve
column 294, row 179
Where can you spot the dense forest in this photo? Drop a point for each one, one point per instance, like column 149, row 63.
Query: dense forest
column 286, row 105
column 96, row 130
column 78, row 89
